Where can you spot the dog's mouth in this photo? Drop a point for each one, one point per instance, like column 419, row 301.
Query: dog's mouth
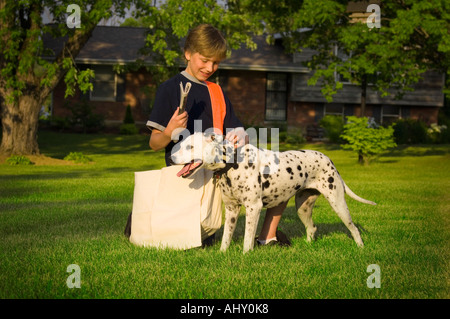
column 189, row 168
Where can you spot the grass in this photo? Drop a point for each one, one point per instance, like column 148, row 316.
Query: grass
column 56, row 215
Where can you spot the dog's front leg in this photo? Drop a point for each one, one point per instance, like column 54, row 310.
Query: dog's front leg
column 231, row 216
column 252, row 213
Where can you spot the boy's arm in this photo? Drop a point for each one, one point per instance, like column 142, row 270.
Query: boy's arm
column 160, row 139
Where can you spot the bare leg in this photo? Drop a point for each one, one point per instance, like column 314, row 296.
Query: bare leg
column 273, row 216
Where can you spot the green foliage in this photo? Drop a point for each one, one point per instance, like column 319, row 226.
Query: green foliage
column 171, row 21
column 18, row 160
column 366, row 138
column 128, row 129
column 78, row 157
column 410, row 131
column 83, row 116
column 29, row 70
column 128, row 116
column 413, row 37
column 438, row 133
column 333, row 126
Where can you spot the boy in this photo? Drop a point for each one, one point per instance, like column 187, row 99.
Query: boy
column 204, row 49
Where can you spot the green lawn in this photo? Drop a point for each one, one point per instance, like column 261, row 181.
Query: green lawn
column 53, row 216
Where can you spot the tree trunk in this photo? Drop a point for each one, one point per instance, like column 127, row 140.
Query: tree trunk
column 19, row 126
column 363, row 95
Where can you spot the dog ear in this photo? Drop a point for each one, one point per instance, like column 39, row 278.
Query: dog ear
column 210, row 137
column 213, row 137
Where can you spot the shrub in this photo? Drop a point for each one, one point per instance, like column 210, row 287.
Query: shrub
column 409, row 131
column 18, row 160
column 59, row 123
column 333, row 126
column 438, row 133
column 128, row 116
column 366, row 138
column 78, row 157
column 295, row 137
column 128, row 129
column 84, row 117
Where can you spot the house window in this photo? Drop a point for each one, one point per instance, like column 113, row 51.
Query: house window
column 334, row 109
column 390, row 114
column 105, row 84
column 276, row 96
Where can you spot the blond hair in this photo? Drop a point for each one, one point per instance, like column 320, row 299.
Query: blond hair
column 206, row 40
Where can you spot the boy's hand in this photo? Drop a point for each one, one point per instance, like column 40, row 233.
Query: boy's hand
column 177, row 121
column 237, row 136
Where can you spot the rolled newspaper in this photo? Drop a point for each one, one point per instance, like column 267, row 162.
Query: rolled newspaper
column 183, row 99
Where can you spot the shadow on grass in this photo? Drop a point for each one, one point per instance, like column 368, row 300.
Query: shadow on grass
column 418, row 150
column 292, row 226
column 59, row 145
column 78, row 173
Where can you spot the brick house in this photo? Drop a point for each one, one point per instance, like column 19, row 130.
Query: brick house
column 267, row 86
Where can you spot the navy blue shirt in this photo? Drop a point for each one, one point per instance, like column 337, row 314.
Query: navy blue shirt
column 198, row 106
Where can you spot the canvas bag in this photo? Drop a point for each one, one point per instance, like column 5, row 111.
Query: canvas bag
column 174, row 212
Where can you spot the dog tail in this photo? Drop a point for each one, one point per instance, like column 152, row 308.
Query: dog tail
column 356, row 197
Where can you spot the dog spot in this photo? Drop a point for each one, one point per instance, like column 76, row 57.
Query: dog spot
column 330, row 179
column 228, row 180
column 289, row 170
column 330, row 186
column 266, row 184
column 276, row 160
column 301, row 174
column 233, row 220
column 299, row 167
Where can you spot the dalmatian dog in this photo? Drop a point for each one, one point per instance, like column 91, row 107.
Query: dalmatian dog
column 258, row 178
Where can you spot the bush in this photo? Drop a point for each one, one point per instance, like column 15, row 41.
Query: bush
column 294, row 137
column 438, row 133
column 78, row 157
column 18, row 160
column 333, row 126
column 128, row 129
column 366, row 138
column 409, row 131
column 59, row 123
column 84, row 117
column 128, row 116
